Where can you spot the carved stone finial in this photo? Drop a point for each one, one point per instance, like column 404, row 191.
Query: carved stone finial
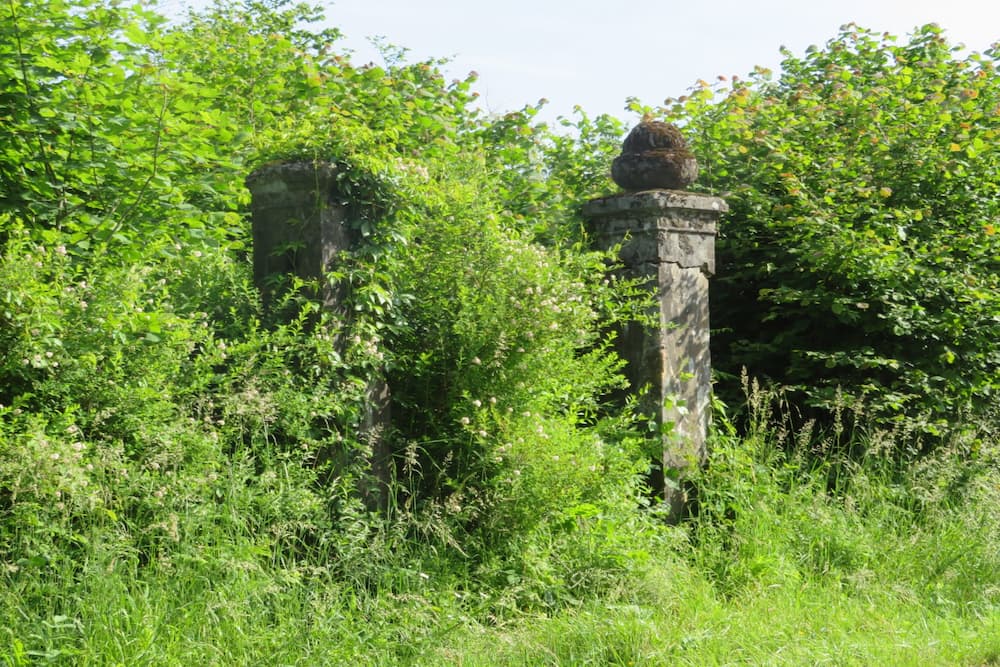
column 654, row 156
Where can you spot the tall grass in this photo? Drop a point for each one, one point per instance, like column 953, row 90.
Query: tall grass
column 840, row 548
column 801, row 551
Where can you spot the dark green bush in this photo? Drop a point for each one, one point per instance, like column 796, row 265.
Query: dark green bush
column 860, row 254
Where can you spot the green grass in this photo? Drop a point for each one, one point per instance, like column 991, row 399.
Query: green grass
column 674, row 616
column 780, row 625
column 884, row 565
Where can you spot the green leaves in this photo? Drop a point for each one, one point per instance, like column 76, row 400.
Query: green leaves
column 861, row 175
column 99, row 134
column 133, row 345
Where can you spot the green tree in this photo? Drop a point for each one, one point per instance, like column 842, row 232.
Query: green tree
column 861, row 254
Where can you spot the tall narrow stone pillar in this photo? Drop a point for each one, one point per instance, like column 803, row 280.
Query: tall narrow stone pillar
column 300, row 225
column 665, row 237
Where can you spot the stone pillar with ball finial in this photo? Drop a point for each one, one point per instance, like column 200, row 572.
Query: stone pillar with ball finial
column 665, row 235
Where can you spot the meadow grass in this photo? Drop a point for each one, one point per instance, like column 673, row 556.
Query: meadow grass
column 791, row 560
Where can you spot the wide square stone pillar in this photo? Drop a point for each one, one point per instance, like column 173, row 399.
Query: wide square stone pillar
column 298, row 226
column 667, row 238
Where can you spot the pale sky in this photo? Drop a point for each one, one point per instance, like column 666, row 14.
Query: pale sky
column 598, row 53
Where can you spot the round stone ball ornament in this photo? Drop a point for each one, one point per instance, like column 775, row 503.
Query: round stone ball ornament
column 654, row 156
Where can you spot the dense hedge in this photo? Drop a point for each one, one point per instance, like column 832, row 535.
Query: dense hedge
column 861, row 257
column 148, row 405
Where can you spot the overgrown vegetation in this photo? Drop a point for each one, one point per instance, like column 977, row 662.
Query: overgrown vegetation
column 861, row 255
column 180, row 469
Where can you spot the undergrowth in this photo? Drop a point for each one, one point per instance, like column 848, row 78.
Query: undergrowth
column 790, row 558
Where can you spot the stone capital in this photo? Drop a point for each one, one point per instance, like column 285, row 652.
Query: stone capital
column 657, row 226
column 652, row 202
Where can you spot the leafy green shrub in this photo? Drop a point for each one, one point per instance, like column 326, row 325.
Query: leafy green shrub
column 103, row 141
column 200, row 427
column 860, row 254
column 114, row 420
column 493, row 350
column 545, row 174
column 490, row 340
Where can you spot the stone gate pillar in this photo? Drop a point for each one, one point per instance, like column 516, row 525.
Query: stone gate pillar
column 666, row 237
column 300, row 225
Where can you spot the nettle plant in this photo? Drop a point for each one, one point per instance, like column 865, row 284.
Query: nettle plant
column 860, row 256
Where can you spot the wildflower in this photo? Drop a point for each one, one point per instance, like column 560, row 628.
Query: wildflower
column 477, row 403
column 464, row 421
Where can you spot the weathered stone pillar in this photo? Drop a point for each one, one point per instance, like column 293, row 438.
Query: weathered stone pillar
column 299, row 226
column 666, row 237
